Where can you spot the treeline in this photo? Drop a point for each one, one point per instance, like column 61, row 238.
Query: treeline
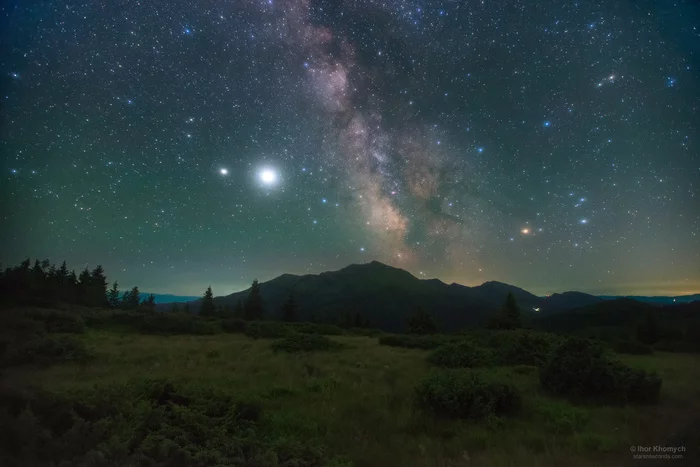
column 46, row 285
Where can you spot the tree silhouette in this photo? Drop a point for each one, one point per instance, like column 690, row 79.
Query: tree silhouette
column 508, row 316
column 113, row 296
column 254, row 308
column 208, row 308
column 149, row 302
column 131, row 299
column 420, row 322
column 186, row 307
column 289, row 309
column 97, row 295
column 174, row 308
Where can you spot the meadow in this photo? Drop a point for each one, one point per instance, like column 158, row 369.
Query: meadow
column 353, row 403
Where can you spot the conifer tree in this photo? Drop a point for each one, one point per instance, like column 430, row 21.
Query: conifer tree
column 98, row 287
column 149, row 302
column 208, row 308
column 113, row 296
column 174, row 308
column 253, row 308
column 186, row 307
column 289, row 309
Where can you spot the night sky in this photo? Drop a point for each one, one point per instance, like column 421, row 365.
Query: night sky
column 550, row 145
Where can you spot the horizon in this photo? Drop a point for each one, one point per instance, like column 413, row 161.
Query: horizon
column 243, row 288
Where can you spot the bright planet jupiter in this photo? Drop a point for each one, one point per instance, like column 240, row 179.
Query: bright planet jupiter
column 548, row 145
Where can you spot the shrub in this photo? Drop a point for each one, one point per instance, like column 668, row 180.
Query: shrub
column 142, row 423
column 304, row 343
column 58, row 321
column 47, row 350
column 460, row 355
column 411, row 341
column 517, row 347
column 632, row 348
column 234, row 325
column 579, row 369
column 465, row 395
column 267, row 329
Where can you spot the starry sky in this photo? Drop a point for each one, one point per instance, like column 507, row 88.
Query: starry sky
column 550, row 145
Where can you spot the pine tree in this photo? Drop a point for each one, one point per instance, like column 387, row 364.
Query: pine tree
column 508, row 316
column 420, row 322
column 131, row 299
column 113, row 296
column 254, row 303
column 98, row 287
column 289, row 309
column 83, row 287
column 174, row 308
column 149, row 302
column 208, row 308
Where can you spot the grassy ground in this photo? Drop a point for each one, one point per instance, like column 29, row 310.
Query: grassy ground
column 359, row 400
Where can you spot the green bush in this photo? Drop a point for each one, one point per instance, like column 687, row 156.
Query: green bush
column 412, row 341
column 465, row 395
column 517, row 346
column 268, row 329
column 632, row 348
column 145, row 423
column 579, row 369
column 460, row 355
column 234, row 325
column 46, row 350
column 304, row 343
column 58, row 321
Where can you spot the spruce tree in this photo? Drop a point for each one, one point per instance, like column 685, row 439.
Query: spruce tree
column 113, row 296
column 506, row 317
column 253, row 308
column 131, row 299
column 174, row 308
column 149, row 302
column 289, row 309
column 208, row 308
column 83, row 287
column 98, row 287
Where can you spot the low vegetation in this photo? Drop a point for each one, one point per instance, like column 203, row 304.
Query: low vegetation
column 304, row 343
column 467, row 395
column 579, row 369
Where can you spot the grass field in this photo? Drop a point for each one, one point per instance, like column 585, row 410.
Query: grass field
column 358, row 401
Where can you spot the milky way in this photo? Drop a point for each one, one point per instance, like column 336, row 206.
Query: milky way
column 182, row 144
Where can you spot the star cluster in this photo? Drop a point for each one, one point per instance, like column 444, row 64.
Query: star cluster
column 548, row 145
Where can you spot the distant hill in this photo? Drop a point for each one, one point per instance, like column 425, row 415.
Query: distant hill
column 567, row 301
column 661, row 300
column 168, row 298
column 383, row 294
column 387, row 295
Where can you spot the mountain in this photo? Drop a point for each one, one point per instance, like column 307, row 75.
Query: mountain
column 567, row 301
column 383, row 294
column 662, row 300
column 605, row 314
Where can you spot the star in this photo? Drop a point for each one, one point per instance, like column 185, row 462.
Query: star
column 223, row 171
column 268, row 176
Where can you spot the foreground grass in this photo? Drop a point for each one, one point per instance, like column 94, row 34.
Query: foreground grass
column 358, row 401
